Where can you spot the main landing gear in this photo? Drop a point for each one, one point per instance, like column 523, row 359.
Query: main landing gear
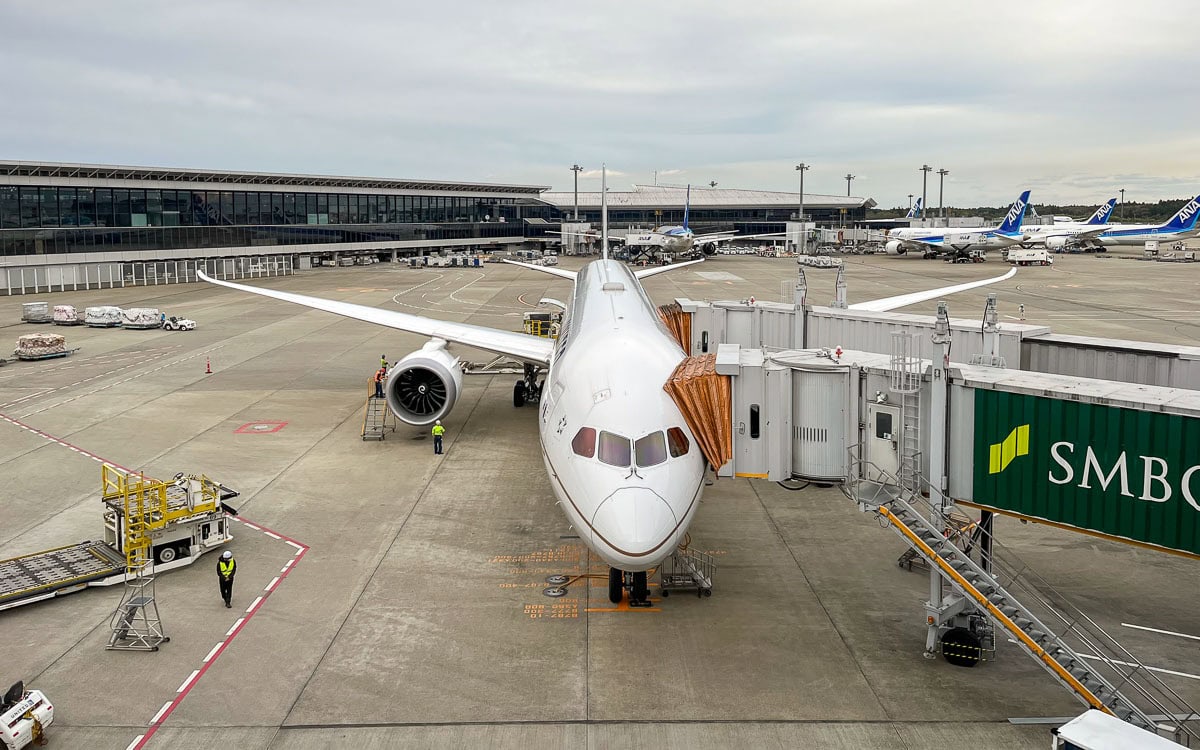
column 527, row 388
column 639, row 588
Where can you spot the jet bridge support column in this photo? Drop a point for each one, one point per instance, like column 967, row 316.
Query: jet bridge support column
column 939, row 396
column 800, row 299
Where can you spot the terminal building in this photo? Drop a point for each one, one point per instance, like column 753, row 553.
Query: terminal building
column 76, row 226
column 712, row 209
column 79, row 226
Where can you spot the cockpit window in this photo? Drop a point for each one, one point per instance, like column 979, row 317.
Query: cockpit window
column 614, row 449
column 584, row 443
column 650, row 450
column 677, row 441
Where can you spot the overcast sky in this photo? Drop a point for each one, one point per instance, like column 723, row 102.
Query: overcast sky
column 1071, row 99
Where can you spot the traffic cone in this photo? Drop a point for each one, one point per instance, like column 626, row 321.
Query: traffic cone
column 207, row 366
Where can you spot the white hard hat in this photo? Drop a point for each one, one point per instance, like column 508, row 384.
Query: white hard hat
column 226, row 555
column 437, row 421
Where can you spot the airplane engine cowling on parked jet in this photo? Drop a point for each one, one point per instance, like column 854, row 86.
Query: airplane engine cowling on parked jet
column 895, row 247
column 1056, row 243
column 708, row 248
column 424, row 385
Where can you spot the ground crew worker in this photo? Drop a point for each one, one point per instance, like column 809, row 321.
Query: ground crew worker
column 383, row 362
column 226, row 570
column 438, row 431
column 379, row 375
column 1021, row 311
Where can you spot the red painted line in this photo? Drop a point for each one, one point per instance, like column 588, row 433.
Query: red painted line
column 64, row 443
column 215, row 654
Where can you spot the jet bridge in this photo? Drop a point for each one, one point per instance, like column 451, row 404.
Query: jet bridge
column 924, row 443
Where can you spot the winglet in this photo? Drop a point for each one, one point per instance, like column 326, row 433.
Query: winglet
column 1016, row 214
column 903, row 300
column 1103, row 214
column 560, row 272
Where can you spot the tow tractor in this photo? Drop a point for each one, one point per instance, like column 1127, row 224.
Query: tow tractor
column 24, row 716
column 179, row 520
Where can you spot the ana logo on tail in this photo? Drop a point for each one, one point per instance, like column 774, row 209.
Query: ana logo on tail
column 915, row 211
column 1102, row 213
column 1013, row 220
column 1187, row 215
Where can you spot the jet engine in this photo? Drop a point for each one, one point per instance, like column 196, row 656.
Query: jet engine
column 708, row 248
column 1056, row 244
column 895, row 247
column 424, row 385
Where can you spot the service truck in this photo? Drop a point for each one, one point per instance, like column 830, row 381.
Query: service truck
column 1029, row 256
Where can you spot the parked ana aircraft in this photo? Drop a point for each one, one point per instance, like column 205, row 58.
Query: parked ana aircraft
column 1181, row 226
column 1060, row 234
column 622, row 462
column 934, row 240
column 674, row 242
column 915, row 211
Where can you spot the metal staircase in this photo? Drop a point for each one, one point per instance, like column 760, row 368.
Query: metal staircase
column 136, row 624
column 377, row 418
column 906, row 371
column 999, row 587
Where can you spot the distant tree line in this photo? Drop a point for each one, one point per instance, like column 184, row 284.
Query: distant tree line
column 1130, row 213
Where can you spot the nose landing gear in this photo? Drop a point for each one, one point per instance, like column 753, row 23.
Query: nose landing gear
column 527, row 388
column 639, row 588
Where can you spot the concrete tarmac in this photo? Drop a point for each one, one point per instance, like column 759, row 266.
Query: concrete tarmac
column 387, row 597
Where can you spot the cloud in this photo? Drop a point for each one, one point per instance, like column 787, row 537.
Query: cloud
column 1073, row 99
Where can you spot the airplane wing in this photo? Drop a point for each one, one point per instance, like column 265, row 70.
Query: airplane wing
column 591, row 236
column 903, row 300
column 728, row 237
column 561, row 273
column 534, row 349
column 646, row 273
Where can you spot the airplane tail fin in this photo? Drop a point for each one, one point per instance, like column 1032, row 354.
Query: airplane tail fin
column 915, row 211
column 687, row 204
column 1103, row 213
column 1016, row 214
column 1185, row 219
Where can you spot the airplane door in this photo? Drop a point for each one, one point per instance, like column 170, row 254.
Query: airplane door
column 883, row 440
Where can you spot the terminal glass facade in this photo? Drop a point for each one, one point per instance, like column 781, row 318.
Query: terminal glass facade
column 36, row 220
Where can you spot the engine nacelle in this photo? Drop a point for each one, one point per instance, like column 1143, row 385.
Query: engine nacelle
column 708, row 248
column 1056, row 244
column 424, row 385
column 895, row 247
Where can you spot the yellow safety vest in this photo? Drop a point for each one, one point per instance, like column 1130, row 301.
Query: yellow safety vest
column 438, row 430
column 227, row 567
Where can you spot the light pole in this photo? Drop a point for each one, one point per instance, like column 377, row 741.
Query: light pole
column 1122, row 216
column 848, row 178
column 941, row 181
column 802, row 168
column 910, row 195
column 925, row 170
column 712, row 184
column 576, row 169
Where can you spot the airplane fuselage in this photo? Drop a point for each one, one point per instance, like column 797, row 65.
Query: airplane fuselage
column 667, row 240
column 621, row 461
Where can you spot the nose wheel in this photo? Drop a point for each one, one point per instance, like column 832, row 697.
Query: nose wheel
column 637, row 583
column 527, row 388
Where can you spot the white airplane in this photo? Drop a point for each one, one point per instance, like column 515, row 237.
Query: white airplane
column 621, row 460
column 675, row 241
column 1060, row 234
column 935, row 240
column 1181, row 226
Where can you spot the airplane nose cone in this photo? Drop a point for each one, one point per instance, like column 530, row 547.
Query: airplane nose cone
column 634, row 521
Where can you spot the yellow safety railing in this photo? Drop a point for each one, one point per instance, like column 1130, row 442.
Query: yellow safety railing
column 145, row 507
column 543, row 328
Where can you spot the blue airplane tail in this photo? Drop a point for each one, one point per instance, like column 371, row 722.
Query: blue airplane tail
column 1185, row 219
column 915, row 211
column 1016, row 214
column 687, row 203
column 1104, row 213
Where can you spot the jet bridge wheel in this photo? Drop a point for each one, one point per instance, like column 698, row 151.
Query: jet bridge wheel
column 616, row 585
column 961, row 647
column 519, row 394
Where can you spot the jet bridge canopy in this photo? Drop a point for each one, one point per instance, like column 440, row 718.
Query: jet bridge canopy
column 704, row 398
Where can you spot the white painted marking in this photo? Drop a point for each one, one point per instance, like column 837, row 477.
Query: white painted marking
column 161, row 711
column 188, row 681
column 271, row 585
column 297, row 546
column 253, row 604
column 234, row 627
column 1152, row 669
column 284, row 569
column 252, row 526
column 214, row 651
column 273, row 536
column 133, row 744
column 718, row 276
column 1164, row 632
